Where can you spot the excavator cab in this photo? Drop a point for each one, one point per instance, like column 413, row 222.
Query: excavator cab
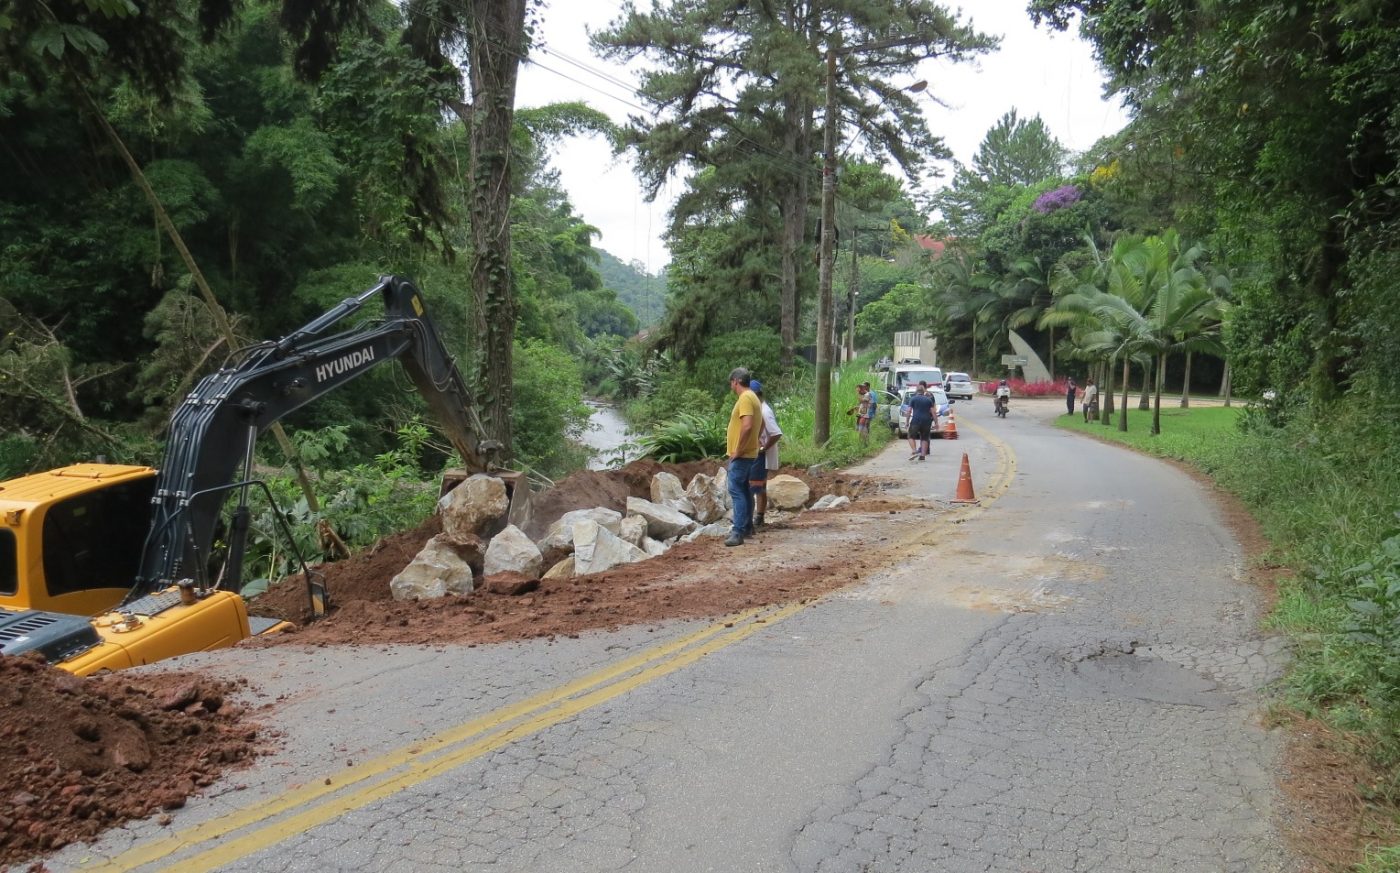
column 71, row 538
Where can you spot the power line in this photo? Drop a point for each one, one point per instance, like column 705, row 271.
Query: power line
column 793, row 166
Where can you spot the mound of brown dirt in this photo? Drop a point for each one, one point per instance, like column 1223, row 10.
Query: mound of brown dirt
column 83, row 755
column 691, row 580
column 363, row 576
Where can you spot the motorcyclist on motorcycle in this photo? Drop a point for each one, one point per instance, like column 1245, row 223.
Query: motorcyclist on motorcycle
column 1003, row 398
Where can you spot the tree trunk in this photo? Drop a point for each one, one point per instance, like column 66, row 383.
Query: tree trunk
column 1106, row 407
column 1225, row 385
column 331, row 542
column 1145, row 399
column 1186, row 384
column 794, row 211
column 821, row 425
column 1123, row 412
column 495, row 42
column 1052, row 353
column 1157, row 393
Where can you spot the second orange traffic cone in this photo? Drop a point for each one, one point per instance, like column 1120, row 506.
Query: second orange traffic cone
column 950, row 430
column 965, row 494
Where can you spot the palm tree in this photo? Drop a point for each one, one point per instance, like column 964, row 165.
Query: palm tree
column 966, row 293
column 1162, row 304
column 1095, row 304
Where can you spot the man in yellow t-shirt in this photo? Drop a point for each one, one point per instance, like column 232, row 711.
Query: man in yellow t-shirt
column 741, row 443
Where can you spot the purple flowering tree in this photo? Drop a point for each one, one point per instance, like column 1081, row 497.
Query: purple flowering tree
column 1059, row 198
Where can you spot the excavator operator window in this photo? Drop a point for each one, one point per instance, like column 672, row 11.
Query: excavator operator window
column 94, row 539
column 9, row 572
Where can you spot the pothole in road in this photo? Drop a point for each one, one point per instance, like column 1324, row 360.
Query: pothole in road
column 1119, row 669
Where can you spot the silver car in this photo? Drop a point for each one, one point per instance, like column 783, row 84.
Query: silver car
column 893, row 404
column 960, row 385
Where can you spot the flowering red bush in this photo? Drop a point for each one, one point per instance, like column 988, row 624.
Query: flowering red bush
column 1022, row 388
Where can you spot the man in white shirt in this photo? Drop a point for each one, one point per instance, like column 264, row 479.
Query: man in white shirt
column 1091, row 400
column 768, row 435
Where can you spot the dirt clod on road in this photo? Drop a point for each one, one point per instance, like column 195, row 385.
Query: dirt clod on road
column 83, row 755
column 691, row 580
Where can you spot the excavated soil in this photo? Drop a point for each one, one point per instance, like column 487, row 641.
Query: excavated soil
column 83, row 755
column 691, row 580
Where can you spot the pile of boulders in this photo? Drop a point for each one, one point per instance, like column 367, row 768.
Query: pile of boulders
column 477, row 542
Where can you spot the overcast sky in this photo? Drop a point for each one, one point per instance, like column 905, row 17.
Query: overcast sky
column 1036, row 72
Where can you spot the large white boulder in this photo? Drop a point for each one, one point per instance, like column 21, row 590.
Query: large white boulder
column 703, row 492
column 718, row 529
column 510, row 551
column 831, row 501
column 667, row 490
column 663, row 522
column 787, row 492
column 477, row 506
column 721, row 482
column 436, row 571
column 653, row 548
column 561, row 534
column 633, row 530
column 597, row 549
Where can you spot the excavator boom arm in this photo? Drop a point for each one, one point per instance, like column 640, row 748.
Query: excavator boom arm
column 213, row 432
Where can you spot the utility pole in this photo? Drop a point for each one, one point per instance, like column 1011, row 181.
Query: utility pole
column 851, row 294
column 821, row 426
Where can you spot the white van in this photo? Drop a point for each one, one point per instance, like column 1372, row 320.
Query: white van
column 902, row 376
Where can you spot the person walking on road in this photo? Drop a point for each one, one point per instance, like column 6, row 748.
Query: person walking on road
column 741, row 443
column 904, row 412
column 1091, row 400
column 766, row 464
column 921, row 415
column 1070, row 388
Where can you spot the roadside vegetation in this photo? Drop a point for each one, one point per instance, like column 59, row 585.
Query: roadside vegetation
column 1325, row 494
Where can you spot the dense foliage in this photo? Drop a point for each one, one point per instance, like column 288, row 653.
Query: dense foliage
column 289, row 196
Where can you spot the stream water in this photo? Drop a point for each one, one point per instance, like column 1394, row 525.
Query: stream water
column 606, row 434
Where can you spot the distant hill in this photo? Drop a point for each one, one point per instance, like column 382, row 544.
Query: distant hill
column 644, row 295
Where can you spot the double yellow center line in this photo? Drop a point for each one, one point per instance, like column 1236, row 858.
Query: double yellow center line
column 303, row 808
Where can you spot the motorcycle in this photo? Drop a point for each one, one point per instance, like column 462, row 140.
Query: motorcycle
column 1001, row 405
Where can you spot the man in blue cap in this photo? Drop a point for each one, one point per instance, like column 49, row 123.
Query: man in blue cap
column 766, row 464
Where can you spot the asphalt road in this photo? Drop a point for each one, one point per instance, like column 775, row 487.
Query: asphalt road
column 1063, row 678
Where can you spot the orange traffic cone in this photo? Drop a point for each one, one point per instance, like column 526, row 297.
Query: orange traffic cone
column 950, row 430
column 965, row 494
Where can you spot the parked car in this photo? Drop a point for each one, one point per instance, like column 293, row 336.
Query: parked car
column 959, row 385
column 890, row 404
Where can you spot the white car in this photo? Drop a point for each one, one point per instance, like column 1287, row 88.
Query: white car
column 960, row 385
column 894, row 417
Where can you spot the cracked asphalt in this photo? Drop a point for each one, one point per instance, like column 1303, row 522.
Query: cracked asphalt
column 1065, row 679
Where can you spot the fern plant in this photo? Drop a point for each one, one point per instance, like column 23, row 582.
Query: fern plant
column 687, row 437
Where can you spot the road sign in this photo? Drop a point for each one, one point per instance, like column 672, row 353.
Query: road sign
column 1014, row 360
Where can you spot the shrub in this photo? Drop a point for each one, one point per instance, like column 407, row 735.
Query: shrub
column 758, row 349
column 549, row 416
column 687, row 437
column 1022, row 388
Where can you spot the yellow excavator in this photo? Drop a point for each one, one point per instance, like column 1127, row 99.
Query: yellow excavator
column 104, row 566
